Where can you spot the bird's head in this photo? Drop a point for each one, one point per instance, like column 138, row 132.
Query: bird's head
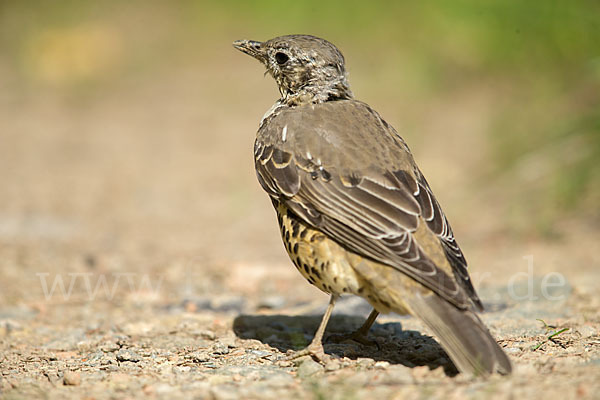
column 307, row 69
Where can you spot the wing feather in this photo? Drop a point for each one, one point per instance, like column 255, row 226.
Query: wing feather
column 369, row 203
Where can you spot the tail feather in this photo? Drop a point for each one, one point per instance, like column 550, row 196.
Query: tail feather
column 462, row 334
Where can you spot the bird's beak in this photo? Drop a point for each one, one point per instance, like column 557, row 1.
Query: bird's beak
column 250, row 47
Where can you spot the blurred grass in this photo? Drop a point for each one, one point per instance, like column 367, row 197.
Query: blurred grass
column 539, row 60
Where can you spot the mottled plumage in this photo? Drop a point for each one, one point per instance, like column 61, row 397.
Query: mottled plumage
column 356, row 214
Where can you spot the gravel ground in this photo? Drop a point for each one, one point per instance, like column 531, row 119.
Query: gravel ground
column 224, row 345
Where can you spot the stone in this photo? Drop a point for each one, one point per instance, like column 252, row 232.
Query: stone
column 128, row 355
column 71, row 378
column 308, row 367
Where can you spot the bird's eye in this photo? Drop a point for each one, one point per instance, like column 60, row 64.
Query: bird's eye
column 281, row 58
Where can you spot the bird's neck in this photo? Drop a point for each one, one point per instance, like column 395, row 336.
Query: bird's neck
column 316, row 92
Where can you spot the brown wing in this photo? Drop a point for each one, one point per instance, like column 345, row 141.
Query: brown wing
column 345, row 171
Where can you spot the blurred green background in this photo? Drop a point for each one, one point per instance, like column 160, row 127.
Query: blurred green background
column 500, row 99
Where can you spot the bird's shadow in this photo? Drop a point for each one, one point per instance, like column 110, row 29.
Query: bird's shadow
column 394, row 345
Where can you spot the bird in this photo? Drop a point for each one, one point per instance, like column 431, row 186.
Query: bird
column 355, row 212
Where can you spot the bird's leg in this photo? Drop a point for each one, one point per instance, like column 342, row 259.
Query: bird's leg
column 359, row 335
column 315, row 348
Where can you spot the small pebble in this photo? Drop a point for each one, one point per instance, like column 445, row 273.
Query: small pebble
column 260, row 353
column 71, row 378
column 332, row 365
column 382, row 365
column 284, row 363
column 308, row 368
column 109, row 347
column 198, row 357
column 52, row 376
column 128, row 355
column 365, row 362
column 220, row 349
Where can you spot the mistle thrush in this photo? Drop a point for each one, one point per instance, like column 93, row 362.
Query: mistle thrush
column 356, row 214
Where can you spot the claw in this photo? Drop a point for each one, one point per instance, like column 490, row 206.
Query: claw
column 315, row 351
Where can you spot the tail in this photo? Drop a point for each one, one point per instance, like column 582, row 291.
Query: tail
column 462, row 334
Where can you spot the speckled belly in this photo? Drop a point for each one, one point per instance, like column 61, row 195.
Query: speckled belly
column 322, row 262
column 335, row 270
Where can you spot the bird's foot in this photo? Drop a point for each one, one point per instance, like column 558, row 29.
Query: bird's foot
column 356, row 336
column 313, row 350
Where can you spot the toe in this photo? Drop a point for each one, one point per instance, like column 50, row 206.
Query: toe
column 315, row 351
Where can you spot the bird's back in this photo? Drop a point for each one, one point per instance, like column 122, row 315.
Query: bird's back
column 345, row 134
column 343, row 169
